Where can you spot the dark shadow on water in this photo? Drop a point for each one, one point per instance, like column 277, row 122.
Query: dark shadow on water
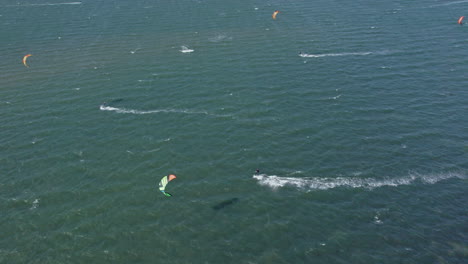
column 225, row 203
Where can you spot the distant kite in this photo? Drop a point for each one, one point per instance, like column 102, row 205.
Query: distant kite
column 274, row 14
column 460, row 20
column 25, row 58
column 164, row 181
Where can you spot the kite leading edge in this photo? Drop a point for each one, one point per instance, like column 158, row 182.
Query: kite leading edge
column 25, row 59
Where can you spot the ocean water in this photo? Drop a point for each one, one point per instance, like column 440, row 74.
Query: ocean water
column 355, row 113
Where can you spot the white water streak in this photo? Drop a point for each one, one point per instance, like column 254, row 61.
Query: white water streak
column 450, row 3
column 305, row 55
column 46, row 4
column 139, row 112
column 316, row 183
column 364, row 53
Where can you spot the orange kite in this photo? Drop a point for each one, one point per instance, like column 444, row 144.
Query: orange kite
column 274, row 14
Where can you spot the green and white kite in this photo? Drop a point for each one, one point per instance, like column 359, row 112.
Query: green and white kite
column 164, row 181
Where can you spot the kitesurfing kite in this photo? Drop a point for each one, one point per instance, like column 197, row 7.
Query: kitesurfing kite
column 460, row 20
column 25, row 58
column 274, row 14
column 164, row 181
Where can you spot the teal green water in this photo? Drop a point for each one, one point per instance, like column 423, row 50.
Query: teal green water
column 355, row 113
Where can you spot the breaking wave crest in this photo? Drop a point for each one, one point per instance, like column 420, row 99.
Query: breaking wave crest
column 316, row 183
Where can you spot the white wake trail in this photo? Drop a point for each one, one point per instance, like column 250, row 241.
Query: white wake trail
column 46, row 4
column 363, row 53
column 317, row 183
column 140, row 112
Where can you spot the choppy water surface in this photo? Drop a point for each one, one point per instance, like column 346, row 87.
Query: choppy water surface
column 355, row 113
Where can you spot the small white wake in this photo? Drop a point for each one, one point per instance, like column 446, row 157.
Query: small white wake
column 316, row 183
column 140, row 112
column 35, row 204
column 185, row 49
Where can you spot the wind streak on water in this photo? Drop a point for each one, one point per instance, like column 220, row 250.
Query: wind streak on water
column 316, row 183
